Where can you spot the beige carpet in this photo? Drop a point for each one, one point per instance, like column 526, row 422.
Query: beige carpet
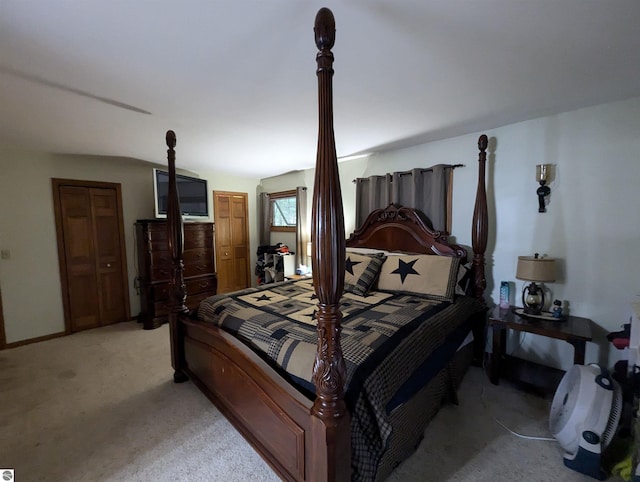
column 101, row 406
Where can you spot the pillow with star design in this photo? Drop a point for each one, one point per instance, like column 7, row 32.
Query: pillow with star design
column 433, row 276
column 361, row 272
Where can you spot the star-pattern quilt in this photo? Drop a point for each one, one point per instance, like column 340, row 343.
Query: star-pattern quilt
column 392, row 343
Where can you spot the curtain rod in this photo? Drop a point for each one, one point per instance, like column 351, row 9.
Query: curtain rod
column 450, row 166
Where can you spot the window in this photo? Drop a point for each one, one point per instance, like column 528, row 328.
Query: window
column 283, row 211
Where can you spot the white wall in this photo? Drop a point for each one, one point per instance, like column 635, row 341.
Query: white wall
column 30, row 279
column 591, row 224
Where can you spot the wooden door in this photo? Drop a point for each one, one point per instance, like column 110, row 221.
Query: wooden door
column 112, row 285
column 91, row 253
column 230, row 214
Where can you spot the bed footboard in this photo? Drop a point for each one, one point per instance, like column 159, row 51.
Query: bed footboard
column 271, row 415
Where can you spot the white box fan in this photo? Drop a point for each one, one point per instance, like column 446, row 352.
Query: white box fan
column 584, row 417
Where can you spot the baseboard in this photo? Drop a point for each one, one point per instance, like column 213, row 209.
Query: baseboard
column 29, row 341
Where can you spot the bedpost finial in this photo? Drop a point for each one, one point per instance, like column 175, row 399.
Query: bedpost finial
column 483, row 142
column 171, row 139
column 325, row 29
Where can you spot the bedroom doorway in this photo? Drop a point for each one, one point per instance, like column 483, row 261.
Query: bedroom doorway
column 91, row 253
column 230, row 215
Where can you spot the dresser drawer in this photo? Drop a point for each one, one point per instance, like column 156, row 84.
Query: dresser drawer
column 194, row 301
column 197, row 290
column 162, row 307
column 200, row 256
column 156, row 238
column 160, row 292
column 194, row 286
column 201, row 285
column 195, row 236
column 160, row 258
column 198, row 268
column 163, row 272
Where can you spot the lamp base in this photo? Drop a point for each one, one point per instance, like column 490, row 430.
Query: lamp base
column 533, row 299
column 532, row 310
column 543, row 316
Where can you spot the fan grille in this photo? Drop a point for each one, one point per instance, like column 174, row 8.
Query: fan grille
column 614, row 415
column 564, row 401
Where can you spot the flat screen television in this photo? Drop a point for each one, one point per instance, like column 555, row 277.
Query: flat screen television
column 192, row 192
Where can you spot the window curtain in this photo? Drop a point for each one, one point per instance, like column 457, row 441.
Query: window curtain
column 302, row 228
column 265, row 219
column 373, row 192
column 425, row 190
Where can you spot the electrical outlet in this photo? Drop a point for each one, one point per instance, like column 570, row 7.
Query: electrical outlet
column 5, row 254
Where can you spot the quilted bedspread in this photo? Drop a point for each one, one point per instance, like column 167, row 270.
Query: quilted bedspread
column 393, row 343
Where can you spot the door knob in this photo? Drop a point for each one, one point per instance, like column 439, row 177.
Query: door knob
column 108, row 265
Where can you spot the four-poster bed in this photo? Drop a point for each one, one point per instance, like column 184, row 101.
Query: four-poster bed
column 309, row 424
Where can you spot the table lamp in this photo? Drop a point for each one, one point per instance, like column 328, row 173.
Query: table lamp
column 537, row 270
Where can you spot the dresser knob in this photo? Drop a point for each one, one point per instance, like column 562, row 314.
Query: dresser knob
column 108, row 265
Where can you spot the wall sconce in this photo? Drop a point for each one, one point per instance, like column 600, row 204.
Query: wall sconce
column 536, row 270
column 542, row 171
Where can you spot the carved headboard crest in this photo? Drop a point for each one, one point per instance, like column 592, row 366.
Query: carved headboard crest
column 402, row 214
column 399, row 228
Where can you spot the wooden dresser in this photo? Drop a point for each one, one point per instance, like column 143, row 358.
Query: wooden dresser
column 154, row 265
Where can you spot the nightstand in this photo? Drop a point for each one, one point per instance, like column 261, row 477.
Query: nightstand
column 574, row 330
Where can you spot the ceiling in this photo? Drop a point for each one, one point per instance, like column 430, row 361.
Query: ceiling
column 235, row 79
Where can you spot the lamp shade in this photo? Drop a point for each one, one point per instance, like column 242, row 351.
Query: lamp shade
column 531, row 268
column 542, row 172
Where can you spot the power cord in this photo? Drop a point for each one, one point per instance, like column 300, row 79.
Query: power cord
column 484, row 367
column 528, row 437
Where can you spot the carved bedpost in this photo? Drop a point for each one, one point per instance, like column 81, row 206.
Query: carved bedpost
column 480, row 223
column 328, row 258
column 175, row 240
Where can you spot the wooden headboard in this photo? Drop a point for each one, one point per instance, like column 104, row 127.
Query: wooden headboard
column 398, row 228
